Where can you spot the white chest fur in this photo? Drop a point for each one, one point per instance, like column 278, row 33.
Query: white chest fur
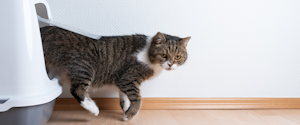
column 144, row 58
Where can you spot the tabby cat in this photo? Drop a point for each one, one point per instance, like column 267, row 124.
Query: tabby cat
column 121, row 61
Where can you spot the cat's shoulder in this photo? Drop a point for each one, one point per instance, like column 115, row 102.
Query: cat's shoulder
column 140, row 37
column 140, row 41
column 137, row 41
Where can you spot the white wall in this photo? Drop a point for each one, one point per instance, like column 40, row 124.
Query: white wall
column 239, row 48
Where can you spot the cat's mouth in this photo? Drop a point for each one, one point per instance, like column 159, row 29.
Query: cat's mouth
column 168, row 69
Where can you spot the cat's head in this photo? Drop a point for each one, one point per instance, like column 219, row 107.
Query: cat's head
column 168, row 51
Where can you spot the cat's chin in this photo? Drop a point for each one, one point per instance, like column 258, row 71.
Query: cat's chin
column 169, row 69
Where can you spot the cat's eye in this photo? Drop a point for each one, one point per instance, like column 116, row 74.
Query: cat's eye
column 177, row 57
column 163, row 55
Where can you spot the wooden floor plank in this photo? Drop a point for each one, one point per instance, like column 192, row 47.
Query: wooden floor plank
column 244, row 117
column 163, row 117
column 145, row 118
column 273, row 118
column 218, row 117
column 184, row 117
column 291, row 114
column 199, row 117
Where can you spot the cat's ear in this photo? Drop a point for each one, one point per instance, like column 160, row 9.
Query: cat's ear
column 185, row 40
column 159, row 38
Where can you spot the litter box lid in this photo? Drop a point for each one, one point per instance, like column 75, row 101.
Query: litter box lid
column 23, row 77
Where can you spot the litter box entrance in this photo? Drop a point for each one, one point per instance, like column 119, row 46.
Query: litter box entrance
column 42, row 11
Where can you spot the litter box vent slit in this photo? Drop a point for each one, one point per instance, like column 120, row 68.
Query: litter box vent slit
column 2, row 101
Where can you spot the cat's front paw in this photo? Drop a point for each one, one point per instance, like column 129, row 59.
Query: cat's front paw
column 128, row 116
column 125, row 118
column 90, row 105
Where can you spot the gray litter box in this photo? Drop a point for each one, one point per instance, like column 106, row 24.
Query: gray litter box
column 27, row 95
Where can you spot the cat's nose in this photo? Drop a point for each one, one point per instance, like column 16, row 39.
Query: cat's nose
column 170, row 65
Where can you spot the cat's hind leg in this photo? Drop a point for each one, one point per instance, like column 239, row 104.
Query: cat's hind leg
column 90, row 105
column 79, row 89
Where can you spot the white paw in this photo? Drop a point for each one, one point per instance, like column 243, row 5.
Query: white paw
column 124, row 97
column 137, row 113
column 90, row 105
column 125, row 118
column 126, row 104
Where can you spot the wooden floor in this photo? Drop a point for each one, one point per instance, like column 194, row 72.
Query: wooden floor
column 180, row 117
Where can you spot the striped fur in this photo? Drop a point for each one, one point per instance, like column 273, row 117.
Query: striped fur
column 88, row 63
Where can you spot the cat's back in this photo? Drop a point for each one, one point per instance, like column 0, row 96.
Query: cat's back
column 57, row 36
column 61, row 46
column 129, row 44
